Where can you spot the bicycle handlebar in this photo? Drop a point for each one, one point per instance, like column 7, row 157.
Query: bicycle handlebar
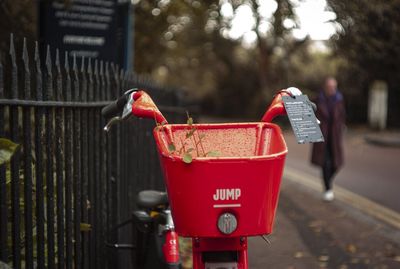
column 140, row 104
column 115, row 107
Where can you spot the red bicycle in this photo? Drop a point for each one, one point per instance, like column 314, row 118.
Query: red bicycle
column 222, row 183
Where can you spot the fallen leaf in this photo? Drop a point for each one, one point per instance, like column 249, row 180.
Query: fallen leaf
column 7, row 149
column 323, row 258
column 355, row 260
column 351, row 248
column 315, row 223
column 298, row 254
column 85, row 227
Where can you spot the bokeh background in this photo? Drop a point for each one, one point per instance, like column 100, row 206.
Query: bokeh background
column 230, row 56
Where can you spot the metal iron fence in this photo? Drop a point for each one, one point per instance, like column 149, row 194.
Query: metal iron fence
column 70, row 183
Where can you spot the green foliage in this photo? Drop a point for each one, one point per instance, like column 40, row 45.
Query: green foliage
column 7, row 150
column 85, row 227
column 171, row 147
column 191, row 137
column 21, row 181
column 187, row 157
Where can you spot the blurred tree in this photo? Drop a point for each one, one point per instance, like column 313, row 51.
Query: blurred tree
column 18, row 17
column 187, row 43
column 277, row 39
column 172, row 42
column 369, row 39
column 369, row 35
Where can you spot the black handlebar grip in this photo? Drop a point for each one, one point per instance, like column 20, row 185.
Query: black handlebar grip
column 115, row 107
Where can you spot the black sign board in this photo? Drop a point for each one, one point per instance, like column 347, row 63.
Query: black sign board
column 97, row 29
column 302, row 118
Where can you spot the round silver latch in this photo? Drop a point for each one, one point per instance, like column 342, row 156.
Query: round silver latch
column 227, row 223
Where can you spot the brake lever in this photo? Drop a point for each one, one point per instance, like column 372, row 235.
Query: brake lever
column 125, row 113
column 111, row 122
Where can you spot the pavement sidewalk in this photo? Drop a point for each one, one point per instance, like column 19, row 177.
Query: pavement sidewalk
column 310, row 233
column 384, row 138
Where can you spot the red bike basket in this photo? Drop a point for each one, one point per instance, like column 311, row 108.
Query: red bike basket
column 243, row 180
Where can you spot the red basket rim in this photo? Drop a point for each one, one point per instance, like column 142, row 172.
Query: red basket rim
column 280, row 154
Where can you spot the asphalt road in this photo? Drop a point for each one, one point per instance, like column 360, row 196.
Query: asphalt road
column 309, row 233
column 370, row 171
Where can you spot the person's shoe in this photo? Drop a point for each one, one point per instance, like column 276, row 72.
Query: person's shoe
column 328, row 196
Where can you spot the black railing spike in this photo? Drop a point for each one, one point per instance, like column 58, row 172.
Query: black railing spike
column 57, row 61
column 66, row 61
column 48, row 60
column 59, row 75
column 49, row 75
column 96, row 75
column 37, row 56
column 76, row 79
column 89, row 67
column 100, row 78
column 125, row 79
column 1, row 79
column 90, row 77
column 107, row 82
column 27, row 79
column 111, row 66
column 12, row 50
column 83, row 64
column 14, row 165
column 102, row 68
column 38, row 71
column 107, row 71
column 74, row 66
column 108, row 67
column 121, row 79
column 96, row 68
column 83, row 88
column 67, row 88
column 25, row 56
column 14, row 72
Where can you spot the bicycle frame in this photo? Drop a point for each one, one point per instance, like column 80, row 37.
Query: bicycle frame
column 219, row 250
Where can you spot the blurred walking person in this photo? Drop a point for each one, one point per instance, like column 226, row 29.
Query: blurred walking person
column 329, row 154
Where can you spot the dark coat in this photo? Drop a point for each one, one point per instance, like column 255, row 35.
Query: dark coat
column 333, row 134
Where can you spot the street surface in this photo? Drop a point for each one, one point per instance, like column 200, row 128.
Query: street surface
column 370, row 171
column 309, row 233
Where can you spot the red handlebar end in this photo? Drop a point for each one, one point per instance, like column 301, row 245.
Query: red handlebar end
column 144, row 107
column 276, row 107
